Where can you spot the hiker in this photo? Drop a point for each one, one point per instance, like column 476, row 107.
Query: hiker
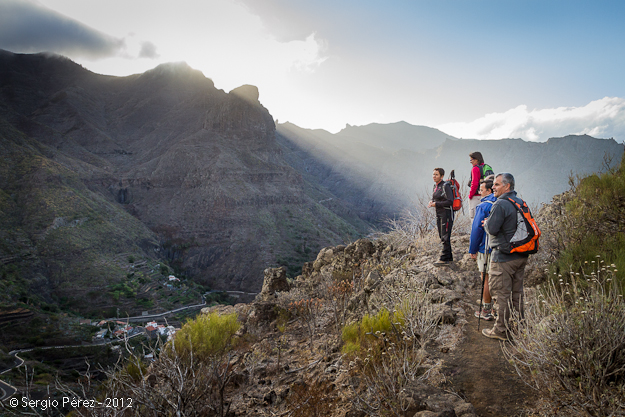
column 442, row 199
column 479, row 171
column 506, row 270
column 477, row 245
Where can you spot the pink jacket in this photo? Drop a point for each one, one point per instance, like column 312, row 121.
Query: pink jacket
column 476, row 175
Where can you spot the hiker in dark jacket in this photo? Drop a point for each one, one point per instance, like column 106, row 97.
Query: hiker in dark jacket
column 442, row 199
column 506, row 270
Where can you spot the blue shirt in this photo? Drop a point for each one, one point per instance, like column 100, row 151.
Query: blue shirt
column 478, row 236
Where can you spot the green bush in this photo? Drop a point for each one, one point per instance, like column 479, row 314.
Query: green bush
column 207, row 336
column 593, row 223
column 368, row 333
column 135, row 369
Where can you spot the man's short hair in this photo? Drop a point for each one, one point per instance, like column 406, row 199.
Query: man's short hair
column 506, row 178
column 441, row 171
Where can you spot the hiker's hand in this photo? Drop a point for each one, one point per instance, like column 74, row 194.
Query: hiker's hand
column 473, row 255
column 431, row 204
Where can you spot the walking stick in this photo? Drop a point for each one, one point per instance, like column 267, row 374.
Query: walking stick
column 479, row 315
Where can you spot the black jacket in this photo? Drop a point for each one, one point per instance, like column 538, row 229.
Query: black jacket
column 443, row 197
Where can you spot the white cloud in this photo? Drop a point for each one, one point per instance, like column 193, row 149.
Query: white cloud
column 306, row 55
column 602, row 118
column 224, row 39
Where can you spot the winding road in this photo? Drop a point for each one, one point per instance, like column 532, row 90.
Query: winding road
column 7, row 389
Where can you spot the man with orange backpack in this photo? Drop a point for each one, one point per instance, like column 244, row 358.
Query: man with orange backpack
column 513, row 236
column 443, row 199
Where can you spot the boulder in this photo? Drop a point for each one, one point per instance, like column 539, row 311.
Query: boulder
column 444, row 295
column 372, row 281
column 275, row 280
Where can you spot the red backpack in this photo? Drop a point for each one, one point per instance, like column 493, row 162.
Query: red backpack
column 455, row 189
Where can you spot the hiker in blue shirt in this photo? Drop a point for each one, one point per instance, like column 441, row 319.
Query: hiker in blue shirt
column 477, row 243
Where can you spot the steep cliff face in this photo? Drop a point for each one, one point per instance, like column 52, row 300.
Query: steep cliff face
column 198, row 166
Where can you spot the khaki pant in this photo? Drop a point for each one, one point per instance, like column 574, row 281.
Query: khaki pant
column 506, row 285
column 473, row 203
column 483, row 260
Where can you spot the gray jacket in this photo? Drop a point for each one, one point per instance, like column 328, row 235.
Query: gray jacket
column 501, row 226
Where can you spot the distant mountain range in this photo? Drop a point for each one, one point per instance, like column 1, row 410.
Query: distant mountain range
column 164, row 166
column 381, row 169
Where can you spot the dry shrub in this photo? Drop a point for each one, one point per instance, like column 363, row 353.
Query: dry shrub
column 388, row 348
column 172, row 385
column 411, row 300
column 416, row 226
column 189, row 377
column 571, row 345
column 311, row 399
column 307, row 311
column 339, row 294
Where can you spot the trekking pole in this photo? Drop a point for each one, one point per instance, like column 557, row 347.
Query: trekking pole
column 479, row 315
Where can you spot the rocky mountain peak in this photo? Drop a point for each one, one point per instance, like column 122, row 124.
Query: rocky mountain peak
column 176, row 72
column 247, row 92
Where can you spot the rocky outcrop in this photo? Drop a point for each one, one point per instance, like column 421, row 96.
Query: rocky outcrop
column 275, row 281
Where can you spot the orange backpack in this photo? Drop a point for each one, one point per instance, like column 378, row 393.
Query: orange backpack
column 525, row 239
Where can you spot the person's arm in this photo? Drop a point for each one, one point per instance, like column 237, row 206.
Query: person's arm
column 494, row 222
column 431, row 203
column 476, row 175
column 477, row 231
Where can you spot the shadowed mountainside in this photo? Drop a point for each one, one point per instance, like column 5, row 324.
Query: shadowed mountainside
column 199, row 167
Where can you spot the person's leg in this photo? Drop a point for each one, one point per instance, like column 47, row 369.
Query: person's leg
column 517, row 286
column 446, row 238
column 486, row 297
column 473, row 203
column 441, row 233
column 500, row 284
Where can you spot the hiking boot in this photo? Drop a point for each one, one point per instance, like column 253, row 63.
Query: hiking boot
column 491, row 333
column 441, row 263
column 485, row 315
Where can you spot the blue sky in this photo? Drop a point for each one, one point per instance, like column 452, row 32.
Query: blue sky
column 472, row 68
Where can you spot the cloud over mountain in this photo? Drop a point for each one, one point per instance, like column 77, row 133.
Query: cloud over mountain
column 29, row 27
column 600, row 118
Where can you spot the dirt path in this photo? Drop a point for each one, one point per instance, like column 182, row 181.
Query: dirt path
column 478, row 371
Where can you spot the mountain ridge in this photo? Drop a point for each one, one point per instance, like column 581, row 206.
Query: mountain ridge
column 215, row 184
column 198, row 166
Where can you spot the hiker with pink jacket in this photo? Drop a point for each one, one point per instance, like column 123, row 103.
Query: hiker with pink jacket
column 479, row 171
